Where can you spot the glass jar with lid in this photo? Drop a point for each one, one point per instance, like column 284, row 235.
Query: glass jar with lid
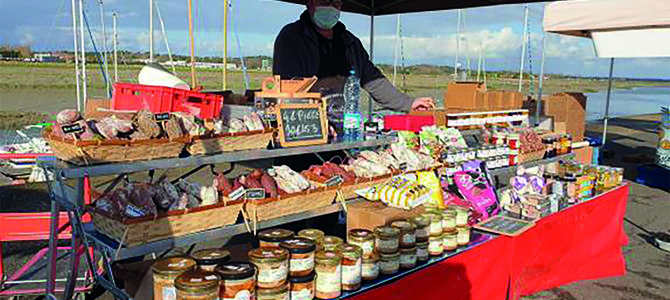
column 461, row 214
column 370, row 266
column 351, row 266
column 272, row 264
column 435, row 222
column 238, row 280
column 407, row 230
column 313, row 234
column 422, row 251
column 165, row 272
column 389, row 263
column 407, row 258
column 362, row 238
column 208, row 259
column 448, row 219
column 330, row 243
column 328, row 274
column 197, row 285
column 301, row 255
column 280, row 292
column 435, row 245
column 271, row 238
column 450, row 239
column 303, row 287
column 386, row 239
column 422, row 224
column 463, row 237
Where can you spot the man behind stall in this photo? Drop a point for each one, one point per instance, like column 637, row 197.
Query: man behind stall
column 319, row 45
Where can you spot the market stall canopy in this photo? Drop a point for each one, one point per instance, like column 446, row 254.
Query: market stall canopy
column 387, row 7
column 619, row 28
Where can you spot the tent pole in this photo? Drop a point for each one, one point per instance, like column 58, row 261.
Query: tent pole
column 538, row 107
column 607, row 101
column 372, row 43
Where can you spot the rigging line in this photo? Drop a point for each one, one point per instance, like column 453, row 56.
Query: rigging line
column 239, row 45
column 165, row 38
column 97, row 54
column 50, row 36
column 105, row 50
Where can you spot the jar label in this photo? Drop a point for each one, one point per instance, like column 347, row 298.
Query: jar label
column 448, row 223
column 406, row 259
column 351, row 274
column 421, row 252
column 367, row 246
column 390, row 245
column 435, row 246
column 370, row 270
column 169, row 293
column 273, row 274
column 422, row 233
column 304, row 294
column 302, row 264
column 436, row 227
column 408, row 239
column 241, row 295
column 463, row 237
column 329, row 282
column 462, row 219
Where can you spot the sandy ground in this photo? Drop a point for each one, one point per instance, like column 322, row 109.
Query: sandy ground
column 648, row 268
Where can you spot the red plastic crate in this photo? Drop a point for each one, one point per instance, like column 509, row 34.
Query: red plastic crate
column 407, row 122
column 129, row 96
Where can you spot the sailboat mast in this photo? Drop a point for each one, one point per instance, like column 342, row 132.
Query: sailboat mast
column 396, row 47
column 190, row 32
column 115, row 42
column 225, row 44
column 104, row 48
column 458, row 44
column 76, row 54
column 151, row 30
column 523, row 46
column 83, row 52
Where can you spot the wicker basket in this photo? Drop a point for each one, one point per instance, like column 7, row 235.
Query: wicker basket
column 109, row 151
column 171, row 224
column 270, row 208
column 531, row 156
column 201, row 145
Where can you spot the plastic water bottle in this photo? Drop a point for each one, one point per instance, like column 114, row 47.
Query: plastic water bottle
column 352, row 116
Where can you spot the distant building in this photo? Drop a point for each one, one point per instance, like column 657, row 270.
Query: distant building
column 45, row 57
column 266, row 64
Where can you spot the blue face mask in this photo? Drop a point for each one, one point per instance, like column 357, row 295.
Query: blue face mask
column 325, row 16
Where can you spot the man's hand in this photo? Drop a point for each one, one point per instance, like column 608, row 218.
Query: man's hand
column 423, row 103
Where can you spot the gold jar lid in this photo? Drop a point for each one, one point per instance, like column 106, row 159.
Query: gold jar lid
column 435, row 216
column 403, row 226
column 386, row 232
column 173, row 265
column 449, row 213
column 452, row 231
column 312, row 234
column 275, row 235
column 361, row 235
column 437, row 237
column 390, row 256
column 275, row 291
column 407, row 251
column 350, row 251
column 331, row 242
column 212, row 256
column 298, row 245
column 420, row 221
column 328, row 257
column 268, row 255
column 197, row 281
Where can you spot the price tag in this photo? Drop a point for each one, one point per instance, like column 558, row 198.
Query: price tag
column 403, row 166
column 162, row 117
column 335, row 180
column 72, row 128
column 237, row 194
column 254, row 194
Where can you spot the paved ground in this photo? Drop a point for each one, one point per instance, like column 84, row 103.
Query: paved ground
column 648, row 268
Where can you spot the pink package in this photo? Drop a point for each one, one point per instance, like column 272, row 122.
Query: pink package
column 478, row 195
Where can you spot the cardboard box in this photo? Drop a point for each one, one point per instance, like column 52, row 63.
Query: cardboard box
column 440, row 115
column 463, row 94
column 368, row 215
column 569, row 108
column 92, row 106
column 495, row 100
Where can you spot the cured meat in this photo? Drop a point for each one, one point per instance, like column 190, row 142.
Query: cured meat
column 236, row 125
column 187, row 122
column 140, row 198
column 313, row 176
column 173, row 128
column 145, row 122
column 252, row 183
column 67, row 116
column 253, row 122
column 165, row 194
column 223, row 184
column 208, row 195
column 270, row 185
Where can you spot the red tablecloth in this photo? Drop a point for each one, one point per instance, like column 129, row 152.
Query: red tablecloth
column 581, row 242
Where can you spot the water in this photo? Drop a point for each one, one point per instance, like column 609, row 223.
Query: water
column 352, row 115
column 636, row 101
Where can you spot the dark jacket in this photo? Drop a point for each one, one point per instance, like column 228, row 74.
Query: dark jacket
column 296, row 54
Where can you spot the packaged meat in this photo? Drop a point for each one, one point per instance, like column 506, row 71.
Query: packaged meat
column 236, row 125
column 141, row 198
column 166, row 194
column 173, row 128
column 67, row 116
column 223, row 184
column 145, row 122
column 187, row 122
column 208, row 195
column 270, row 185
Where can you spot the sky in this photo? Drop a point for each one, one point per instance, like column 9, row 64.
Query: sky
column 427, row 38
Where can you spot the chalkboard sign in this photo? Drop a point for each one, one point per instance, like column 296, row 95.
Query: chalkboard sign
column 302, row 124
column 504, row 225
column 335, row 180
column 162, row 116
column 72, row 128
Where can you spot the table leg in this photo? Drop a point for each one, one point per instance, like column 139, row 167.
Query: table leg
column 53, row 244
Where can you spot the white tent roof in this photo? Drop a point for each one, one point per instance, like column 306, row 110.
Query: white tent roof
column 619, row 28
